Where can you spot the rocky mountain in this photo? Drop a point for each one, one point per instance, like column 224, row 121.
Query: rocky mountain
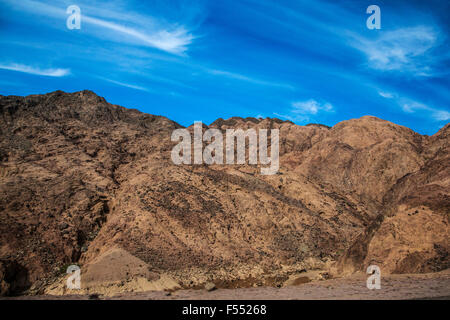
column 89, row 183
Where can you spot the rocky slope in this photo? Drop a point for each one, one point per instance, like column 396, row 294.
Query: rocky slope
column 89, row 183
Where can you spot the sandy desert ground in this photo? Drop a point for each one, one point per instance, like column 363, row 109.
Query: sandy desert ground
column 393, row 287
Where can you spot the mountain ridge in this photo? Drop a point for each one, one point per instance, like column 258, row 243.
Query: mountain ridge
column 88, row 93
column 83, row 181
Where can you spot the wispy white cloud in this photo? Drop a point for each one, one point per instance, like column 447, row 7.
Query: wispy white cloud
column 405, row 50
column 288, row 117
column 174, row 40
column 127, row 85
column 305, row 110
column 418, row 108
column 441, row 115
column 138, row 87
column 310, row 107
column 410, row 106
column 237, row 76
column 386, row 95
column 58, row 72
column 114, row 23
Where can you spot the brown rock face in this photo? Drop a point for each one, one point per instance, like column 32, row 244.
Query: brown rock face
column 81, row 178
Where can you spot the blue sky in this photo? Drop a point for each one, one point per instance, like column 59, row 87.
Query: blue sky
column 306, row 61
